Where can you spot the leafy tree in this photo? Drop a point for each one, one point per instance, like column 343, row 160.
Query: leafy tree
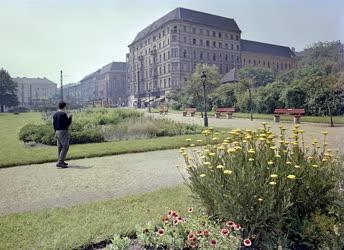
column 223, row 96
column 191, row 95
column 294, row 97
column 268, row 98
column 262, row 76
column 8, row 89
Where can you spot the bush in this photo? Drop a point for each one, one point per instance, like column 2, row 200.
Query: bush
column 273, row 187
column 190, row 232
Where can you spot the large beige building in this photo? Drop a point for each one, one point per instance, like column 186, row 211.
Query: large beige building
column 35, row 91
column 164, row 54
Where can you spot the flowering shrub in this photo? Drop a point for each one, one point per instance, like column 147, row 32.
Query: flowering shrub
column 118, row 243
column 273, row 185
column 194, row 231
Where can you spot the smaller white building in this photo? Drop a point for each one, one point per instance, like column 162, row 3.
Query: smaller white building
column 34, row 91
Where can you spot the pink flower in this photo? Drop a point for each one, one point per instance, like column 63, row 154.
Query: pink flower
column 224, row 232
column 230, row 224
column 247, row 242
column 190, row 209
column 191, row 236
column 175, row 222
column 213, row 243
column 161, row 232
column 206, row 233
column 236, row 227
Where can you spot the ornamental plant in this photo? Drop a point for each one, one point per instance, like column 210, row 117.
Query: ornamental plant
column 193, row 231
column 274, row 185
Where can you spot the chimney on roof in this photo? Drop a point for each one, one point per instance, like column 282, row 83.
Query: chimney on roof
column 293, row 49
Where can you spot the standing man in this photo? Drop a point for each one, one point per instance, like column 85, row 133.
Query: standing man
column 61, row 123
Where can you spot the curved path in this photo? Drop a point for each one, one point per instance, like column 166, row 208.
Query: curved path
column 31, row 187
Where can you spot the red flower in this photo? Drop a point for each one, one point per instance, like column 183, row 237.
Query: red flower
column 230, row 224
column 237, row 227
column 190, row 210
column 175, row 222
column 247, row 242
column 206, row 233
column 161, row 232
column 199, row 232
column 213, row 243
column 224, row 232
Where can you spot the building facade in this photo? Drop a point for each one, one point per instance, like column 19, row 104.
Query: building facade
column 106, row 86
column 35, row 91
column 166, row 52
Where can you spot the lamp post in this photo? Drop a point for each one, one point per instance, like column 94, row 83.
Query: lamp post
column 203, row 79
column 149, row 107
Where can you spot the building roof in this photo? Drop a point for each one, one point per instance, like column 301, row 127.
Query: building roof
column 197, row 17
column 114, row 66
column 265, row 48
column 38, row 80
column 230, row 76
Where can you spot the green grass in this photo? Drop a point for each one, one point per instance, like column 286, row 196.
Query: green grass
column 13, row 152
column 312, row 119
column 82, row 225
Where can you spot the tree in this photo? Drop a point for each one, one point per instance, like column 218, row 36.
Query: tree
column 223, row 96
column 191, row 95
column 262, row 76
column 8, row 89
column 294, row 97
column 268, row 97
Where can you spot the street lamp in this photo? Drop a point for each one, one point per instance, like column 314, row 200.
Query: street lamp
column 203, row 79
column 149, row 107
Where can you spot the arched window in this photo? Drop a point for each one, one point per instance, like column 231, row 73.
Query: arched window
column 184, row 53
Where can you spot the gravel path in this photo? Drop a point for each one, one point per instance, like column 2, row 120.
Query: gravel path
column 312, row 130
column 27, row 188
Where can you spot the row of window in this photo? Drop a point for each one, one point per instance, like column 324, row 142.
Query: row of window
column 266, row 64
column 213, row 44
column 213, row 33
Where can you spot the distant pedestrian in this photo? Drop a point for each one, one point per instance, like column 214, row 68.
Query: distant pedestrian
column 61, row 122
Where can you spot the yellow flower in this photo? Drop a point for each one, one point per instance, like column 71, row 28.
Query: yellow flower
column 272, row 183
column 220, row 166
column 260, row 199
column 188, row 139
column 297, row 166
column 314, row 166
column 202, row 175
column 215, row 138
column 325, row 132
column 274, row 176
column 184, row 154
column 273, row 147
column 227, row 172
column 199, row 141
column 250, row 159
column 207, row 163
column 211, row 154
column 277, row 156
column 251, row 151
column 288, row 163
column 192, row 145
column 270, row 162
column 291, row 177
column 182, row 148
column 225, row 141
column 231, row 150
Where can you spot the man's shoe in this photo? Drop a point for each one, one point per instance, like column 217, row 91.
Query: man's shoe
column 65, row 163
column 61, row 165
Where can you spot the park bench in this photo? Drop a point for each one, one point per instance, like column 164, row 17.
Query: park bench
column 163, row 110
column 191, row 111
column 228, row 111
column 297, row 113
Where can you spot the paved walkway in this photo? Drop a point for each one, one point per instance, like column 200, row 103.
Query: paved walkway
column 32, row 187
column 312, row 130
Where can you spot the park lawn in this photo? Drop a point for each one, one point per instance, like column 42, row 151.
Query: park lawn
column 13, row 152
column 82, row 225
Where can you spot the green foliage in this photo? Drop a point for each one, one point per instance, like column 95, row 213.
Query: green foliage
column 262, row 76
column 119, row 243
column 268, row 98
column 194, row 231
column 272, row 187
column 8, row 89
column 223, row 96
column 191, row 95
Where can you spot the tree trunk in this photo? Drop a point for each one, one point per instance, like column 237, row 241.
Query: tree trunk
column 2, row 108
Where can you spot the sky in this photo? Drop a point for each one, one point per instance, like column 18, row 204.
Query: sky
column 38, row 38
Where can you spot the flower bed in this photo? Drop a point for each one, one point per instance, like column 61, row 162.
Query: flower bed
column 284, row 193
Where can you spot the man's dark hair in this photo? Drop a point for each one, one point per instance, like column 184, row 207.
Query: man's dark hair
column 62, row 105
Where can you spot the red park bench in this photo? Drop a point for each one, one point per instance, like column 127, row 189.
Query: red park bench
column 228, row 111
column 163, row 110
column 191, row 111
column 297, row 113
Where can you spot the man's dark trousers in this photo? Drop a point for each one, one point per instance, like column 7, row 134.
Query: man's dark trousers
column 62, row 137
